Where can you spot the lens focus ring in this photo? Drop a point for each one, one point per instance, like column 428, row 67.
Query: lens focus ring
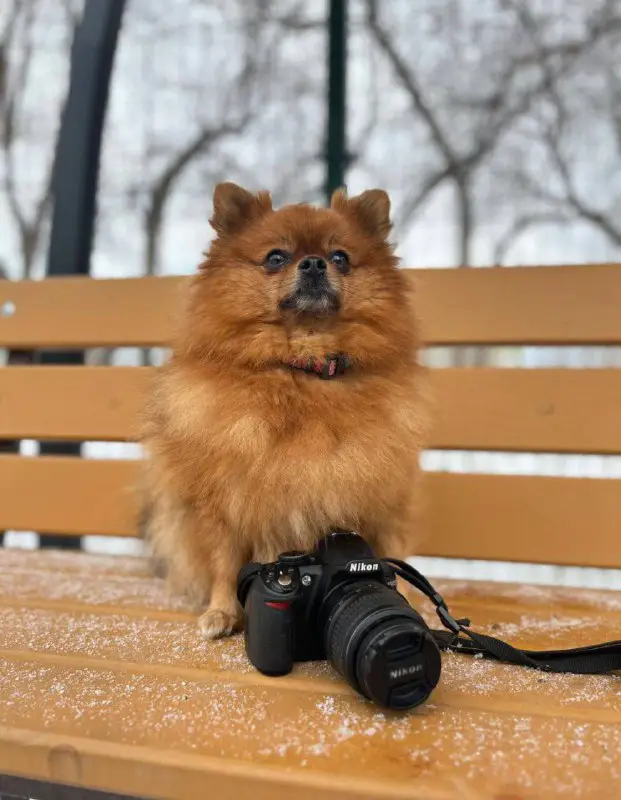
column 354, row 608
column 381, row 645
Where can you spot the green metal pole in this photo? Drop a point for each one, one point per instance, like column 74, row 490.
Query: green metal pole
column 336, row 139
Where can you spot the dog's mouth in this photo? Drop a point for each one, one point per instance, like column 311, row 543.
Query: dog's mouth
column 317, row 297
column 318, row 303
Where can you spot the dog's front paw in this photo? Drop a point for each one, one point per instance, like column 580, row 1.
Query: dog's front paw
column 215, row 623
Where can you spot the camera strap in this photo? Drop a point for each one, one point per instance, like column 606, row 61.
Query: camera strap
column 591, row 660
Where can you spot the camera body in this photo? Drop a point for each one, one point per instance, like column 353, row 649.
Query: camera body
column 339, row 603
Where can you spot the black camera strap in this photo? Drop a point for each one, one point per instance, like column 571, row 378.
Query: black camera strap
column 591, row 660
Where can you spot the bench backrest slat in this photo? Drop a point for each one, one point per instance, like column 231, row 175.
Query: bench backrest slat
column 506, row 517
column 542, row 410
column 535, row 305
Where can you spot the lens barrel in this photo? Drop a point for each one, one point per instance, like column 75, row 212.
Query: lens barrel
column 380, row 644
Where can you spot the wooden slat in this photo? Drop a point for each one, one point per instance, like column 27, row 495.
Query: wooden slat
column 572, row 521
column 127, row 634
column 542, row 410
column 72, row 403
column 124, row 585
column 527, row 305
column 96, row 696
column 536, row 305
column 68, row 495
column 65, row 312
column 572, row 411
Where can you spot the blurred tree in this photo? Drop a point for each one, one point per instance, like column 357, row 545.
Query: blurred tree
column 469, row 96
column 494, row 125
column 560, row 180
column 218, row 94
column 27, row 132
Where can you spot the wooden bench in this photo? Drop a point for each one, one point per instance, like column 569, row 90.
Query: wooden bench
column 105, row 683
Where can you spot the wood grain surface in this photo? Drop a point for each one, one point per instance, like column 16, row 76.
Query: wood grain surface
column 105, row 683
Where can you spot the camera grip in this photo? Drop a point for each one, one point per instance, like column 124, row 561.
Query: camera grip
column 268, row 630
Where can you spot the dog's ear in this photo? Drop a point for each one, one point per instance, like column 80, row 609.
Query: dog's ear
column 371, row 210
column 234, row 208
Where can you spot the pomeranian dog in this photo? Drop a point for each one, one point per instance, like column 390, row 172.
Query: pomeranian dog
column 292, row 401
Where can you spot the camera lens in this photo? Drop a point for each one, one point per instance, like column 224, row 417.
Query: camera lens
column 381, row 645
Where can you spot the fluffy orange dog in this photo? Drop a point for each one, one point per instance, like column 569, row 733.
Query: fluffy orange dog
column 252, row 450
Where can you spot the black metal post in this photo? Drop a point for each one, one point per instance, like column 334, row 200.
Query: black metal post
column 336, row 139
column 76, row 173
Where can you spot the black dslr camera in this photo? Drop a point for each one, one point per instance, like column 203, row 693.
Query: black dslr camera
column 339, row 603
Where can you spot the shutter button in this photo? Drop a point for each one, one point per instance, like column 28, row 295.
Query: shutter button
column 284, row 579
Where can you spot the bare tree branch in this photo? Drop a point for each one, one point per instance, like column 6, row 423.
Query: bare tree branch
column 13, row 97
column 6, row 37
column 15, row 83
column 455, row 167
column 520, row 226
column 582, row 208
column 73, row 12
column 239, row 97
column 162, row 187
column 496, row 113
column 570, row 204
column 411, row 85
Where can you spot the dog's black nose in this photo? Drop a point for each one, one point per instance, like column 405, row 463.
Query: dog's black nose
column 313, row 266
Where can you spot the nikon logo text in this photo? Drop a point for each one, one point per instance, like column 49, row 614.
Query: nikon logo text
column 361, row 566
column 402, row 671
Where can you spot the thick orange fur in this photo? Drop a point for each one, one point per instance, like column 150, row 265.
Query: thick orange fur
column 246, row 457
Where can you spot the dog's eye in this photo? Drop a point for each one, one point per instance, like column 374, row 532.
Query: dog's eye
column 340, row 259
column 277, row 259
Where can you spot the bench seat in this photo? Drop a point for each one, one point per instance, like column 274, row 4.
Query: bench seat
column 106, row 684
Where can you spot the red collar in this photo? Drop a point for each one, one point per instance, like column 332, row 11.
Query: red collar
column 331, row 366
